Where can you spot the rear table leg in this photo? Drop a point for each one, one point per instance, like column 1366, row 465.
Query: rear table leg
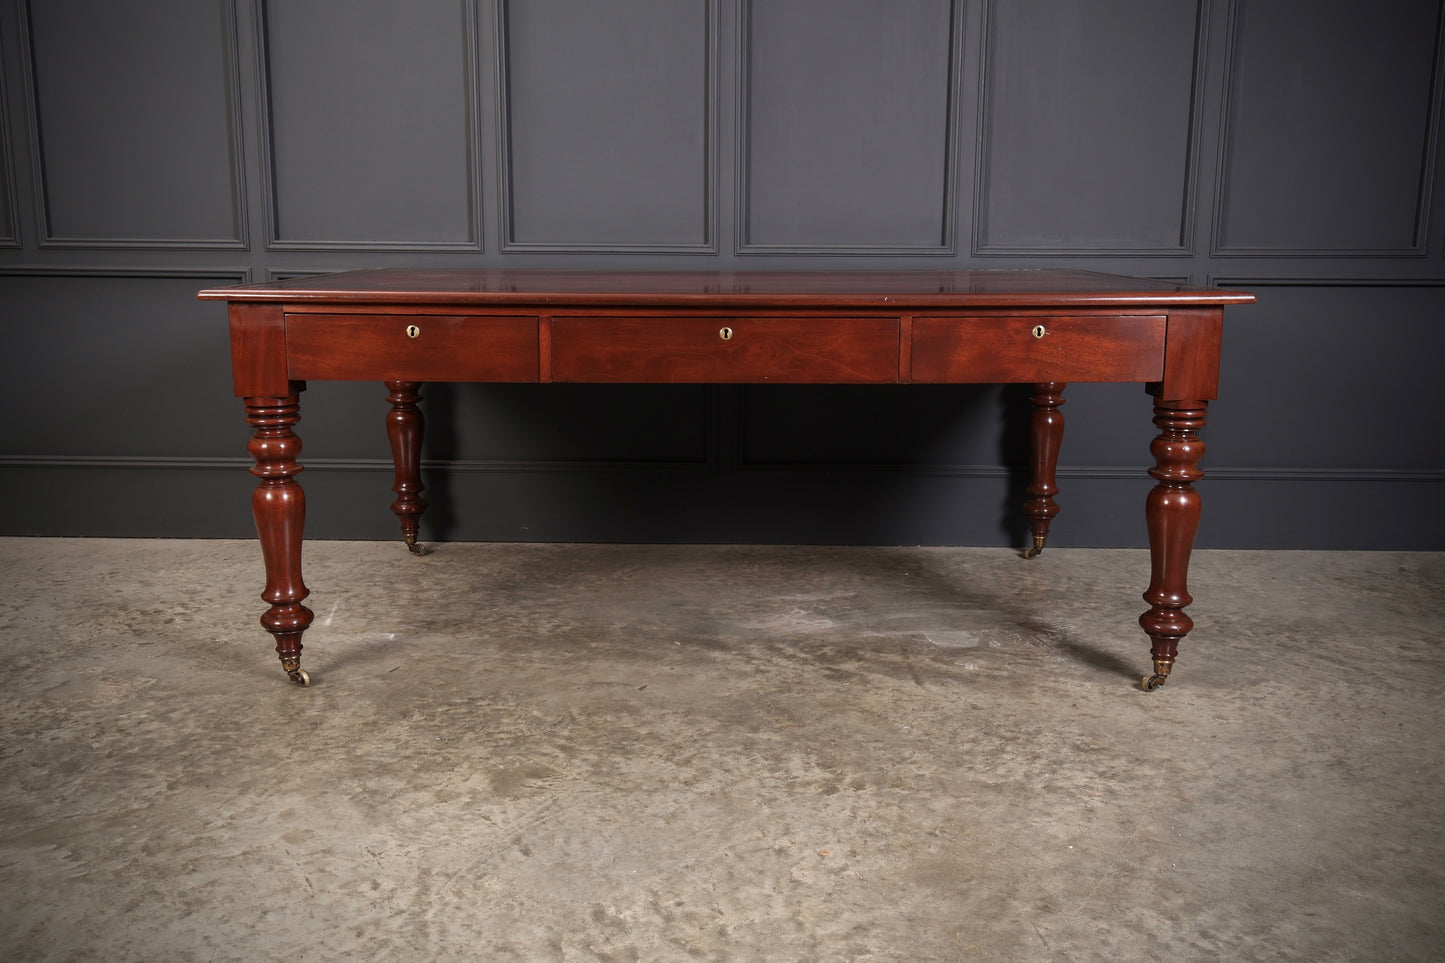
column 404, row 427
column 1046, row 432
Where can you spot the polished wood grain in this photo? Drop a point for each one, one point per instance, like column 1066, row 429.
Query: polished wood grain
column 258, row 350
column 1046, row 436
column 279, row 507
column 1191, row 355
column 997, row 349
column 725, row 350
column 1172, row 514
column 405, row 426
column 432, row 347
column 1042, row 328
column 808, row 289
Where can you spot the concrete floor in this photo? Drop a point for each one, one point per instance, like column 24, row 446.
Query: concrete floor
column 544, row 752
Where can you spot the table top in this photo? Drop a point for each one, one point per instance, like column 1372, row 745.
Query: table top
column 860, row 289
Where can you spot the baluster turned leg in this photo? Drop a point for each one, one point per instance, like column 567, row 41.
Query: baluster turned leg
column 279, row 506
column 1046, row 433
column 1172, row 512
column 404, row 427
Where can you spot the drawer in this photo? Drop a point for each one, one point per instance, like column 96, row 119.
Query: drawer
column 399, row 347
column 725, row 350
column 986, row 349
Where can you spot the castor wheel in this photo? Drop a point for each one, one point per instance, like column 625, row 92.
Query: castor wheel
column 300, row 676
column 1033, row 551
column 416, row 548
column 1152, row 682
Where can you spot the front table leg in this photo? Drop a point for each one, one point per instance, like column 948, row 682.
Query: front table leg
column 404, row 425
column 279, row 506
column 1046, row 434
column 1172, row 512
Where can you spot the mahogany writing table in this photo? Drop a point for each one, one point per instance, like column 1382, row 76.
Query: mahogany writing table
column 1041, row 328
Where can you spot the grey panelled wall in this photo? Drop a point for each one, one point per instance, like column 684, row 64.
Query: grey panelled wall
column 151, row 148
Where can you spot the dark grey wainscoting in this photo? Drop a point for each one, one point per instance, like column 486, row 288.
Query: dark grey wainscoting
column 153, row 148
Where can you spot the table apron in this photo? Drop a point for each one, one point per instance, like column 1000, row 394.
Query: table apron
column 721, row 348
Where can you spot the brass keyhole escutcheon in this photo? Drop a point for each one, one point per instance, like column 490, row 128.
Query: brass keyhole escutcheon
column 413, row 332
column 1039, row 331
column 726, row 334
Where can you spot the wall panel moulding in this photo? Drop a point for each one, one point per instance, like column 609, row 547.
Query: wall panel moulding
column 1077, row 156
column 365, row 152
column 1353, row 180
column 616, row 154
column 150, row 157
column 812, row 179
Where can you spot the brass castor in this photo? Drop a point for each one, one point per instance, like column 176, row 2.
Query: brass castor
column 1160, row 676
column 1037, row 548
column 416, row 548
column 300, row 676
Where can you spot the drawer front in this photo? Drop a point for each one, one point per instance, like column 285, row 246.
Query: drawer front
column 1035, row 349
column 725, row 350
column 398, row 347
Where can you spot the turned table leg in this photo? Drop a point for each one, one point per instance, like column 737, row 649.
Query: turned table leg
column 279, row 506
column 404, row 426
column 1046, row 434
column 1172, row 512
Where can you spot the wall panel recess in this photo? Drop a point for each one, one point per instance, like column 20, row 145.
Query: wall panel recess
column 608, row 125
column 938, row 427
column 1331, row 126
column 1086, row 137
column 170, row 399
column 847, row 131
column 135, row 130
column 371, row 124
column 9, row 214
column 1328, row 366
